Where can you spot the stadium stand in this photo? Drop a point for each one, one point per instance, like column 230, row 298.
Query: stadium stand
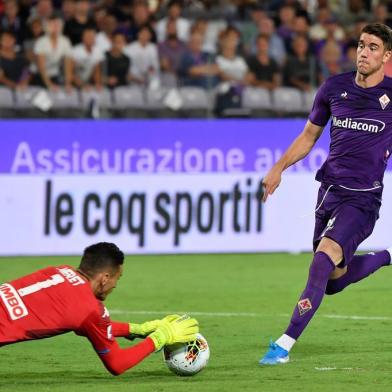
column 127, row 83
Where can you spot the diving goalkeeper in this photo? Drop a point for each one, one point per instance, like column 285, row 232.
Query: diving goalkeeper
column 56, row 300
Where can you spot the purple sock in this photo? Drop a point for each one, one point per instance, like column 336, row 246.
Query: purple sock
column 360, row 267
column 312, row 296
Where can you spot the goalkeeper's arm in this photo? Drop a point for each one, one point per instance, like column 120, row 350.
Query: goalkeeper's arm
column 118, row 360
column 132, row 330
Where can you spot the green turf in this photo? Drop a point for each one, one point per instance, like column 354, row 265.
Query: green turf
column 359, row 351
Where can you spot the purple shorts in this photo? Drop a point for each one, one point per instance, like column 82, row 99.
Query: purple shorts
column 347, row 217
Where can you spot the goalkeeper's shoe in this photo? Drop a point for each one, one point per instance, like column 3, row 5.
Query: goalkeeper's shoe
column 275, row 355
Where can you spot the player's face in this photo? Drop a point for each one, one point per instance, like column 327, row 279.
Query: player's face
column 108, row 283
column 371, row 54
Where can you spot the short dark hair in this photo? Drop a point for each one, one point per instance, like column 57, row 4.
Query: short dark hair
column 9, row 33
column 263, row 36
column 178, row 3
column 381, row 31
column 99, row 257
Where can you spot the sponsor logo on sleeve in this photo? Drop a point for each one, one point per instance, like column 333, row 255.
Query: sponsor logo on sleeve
column 12, row 301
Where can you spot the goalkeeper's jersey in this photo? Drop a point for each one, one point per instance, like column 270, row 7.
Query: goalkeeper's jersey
column 56, row 300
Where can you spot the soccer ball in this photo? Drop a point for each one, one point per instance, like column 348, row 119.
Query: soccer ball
column 187, row 359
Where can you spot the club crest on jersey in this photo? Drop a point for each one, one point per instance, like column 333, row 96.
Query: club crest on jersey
column 304, row 306
column 384, row 101
column 344, row 95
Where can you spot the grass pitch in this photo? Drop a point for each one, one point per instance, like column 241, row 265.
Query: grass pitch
column 240, row 301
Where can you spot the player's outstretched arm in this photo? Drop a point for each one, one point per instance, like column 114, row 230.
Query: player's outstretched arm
column 172, row 330
column 297, row 151
column 117, row 360
column 134, row 330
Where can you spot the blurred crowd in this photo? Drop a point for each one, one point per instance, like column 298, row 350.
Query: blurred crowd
column 110, row 43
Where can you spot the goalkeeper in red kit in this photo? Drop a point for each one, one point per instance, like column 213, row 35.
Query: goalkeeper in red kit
column 56, row 300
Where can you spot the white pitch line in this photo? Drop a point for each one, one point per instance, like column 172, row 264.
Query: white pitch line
column 210, row 314
column 328, row 369
column 371, row 318
column 236, row 314
column 348, row 317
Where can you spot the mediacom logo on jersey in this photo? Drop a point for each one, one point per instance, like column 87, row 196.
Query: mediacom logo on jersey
column 12, row 301
column 359, row 124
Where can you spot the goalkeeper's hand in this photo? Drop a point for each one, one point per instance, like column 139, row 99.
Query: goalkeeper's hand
column 179, row 330
column 144, row 329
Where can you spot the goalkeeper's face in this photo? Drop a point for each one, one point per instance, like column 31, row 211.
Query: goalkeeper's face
column 108, row 281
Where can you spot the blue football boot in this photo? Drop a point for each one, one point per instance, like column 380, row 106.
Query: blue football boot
column 275, row 355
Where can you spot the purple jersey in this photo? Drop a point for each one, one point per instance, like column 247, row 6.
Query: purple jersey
column 361, row 131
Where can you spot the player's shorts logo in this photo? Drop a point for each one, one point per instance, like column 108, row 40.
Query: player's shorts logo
column 359, row 124
column 304, row 306
column 330, row 226
column 12, row 301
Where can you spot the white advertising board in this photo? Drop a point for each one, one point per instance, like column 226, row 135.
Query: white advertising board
column 182, row 213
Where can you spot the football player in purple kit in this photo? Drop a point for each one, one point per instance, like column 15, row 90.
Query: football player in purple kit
column 349, row 197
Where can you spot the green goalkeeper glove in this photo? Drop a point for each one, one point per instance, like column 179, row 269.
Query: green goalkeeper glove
column 179, row 330
column 142, row 330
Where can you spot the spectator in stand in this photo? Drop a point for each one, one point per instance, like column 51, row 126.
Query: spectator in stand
column 301, row 25
column 171, row 50
column 286, row 24
column 10, row 20
column 301, row 71
column 82, row 20
column 43, row 10
column 144, row 58
column 122, row 10
column 14, row 67
column 107, row 26
column 277, row 48
column 87, row 62
column 53, row 57
column 141, row 16
column 232, row 67
column 349, row 62
column 381, row 14
column 67, row 10
column 352, row 10
column 320, row 30
column 210, row 32
column 264, row 71
column 34, row 32
column 249, row 26
column 196, row 69
column 117, row 64
column 331, row 38
column 174, row 14
column 330, row 59
column 354, row 31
